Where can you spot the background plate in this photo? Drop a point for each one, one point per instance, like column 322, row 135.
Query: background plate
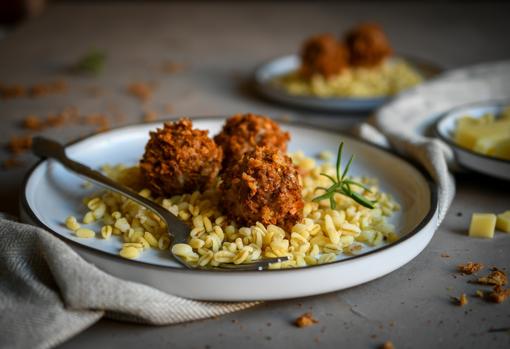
column 283, row 65
column 52, row 193
column 465, row 157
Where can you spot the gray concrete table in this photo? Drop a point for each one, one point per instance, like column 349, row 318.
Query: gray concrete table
column 221, row 44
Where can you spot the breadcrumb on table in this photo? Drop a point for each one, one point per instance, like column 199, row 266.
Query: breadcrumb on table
column 496, row 277
column 460, row 301
column 470, row 268
column 19, row 144
column 387, row 345
column 141, row 90
column 499, row 294
column 306, row 320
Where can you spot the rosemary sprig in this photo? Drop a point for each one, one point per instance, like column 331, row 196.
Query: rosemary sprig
column 342, row 184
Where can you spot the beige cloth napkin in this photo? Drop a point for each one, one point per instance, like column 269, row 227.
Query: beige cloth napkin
column 48, row 293
column 427, row 153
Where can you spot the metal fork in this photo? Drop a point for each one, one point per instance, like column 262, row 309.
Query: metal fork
column 177, row 229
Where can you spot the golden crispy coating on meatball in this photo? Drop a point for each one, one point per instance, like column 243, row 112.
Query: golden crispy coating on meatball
column 179, row 159
column 243, row 132
column 263, row 187
column 368, row 45
column 323, row 54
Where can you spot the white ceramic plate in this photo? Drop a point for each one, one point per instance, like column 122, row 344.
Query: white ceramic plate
column 266, row 73
column 52, row 193
column 488, row 165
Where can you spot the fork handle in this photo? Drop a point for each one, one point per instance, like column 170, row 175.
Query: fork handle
column 47, row 148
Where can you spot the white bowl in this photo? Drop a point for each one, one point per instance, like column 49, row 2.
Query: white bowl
column 51, row 193
column 445, row 128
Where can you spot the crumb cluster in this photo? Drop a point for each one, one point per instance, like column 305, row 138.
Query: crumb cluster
column 36, row 90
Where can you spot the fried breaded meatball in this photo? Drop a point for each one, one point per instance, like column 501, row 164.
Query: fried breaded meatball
column 263, row 187
column 243, row 132
column 179, row 159
column 323, row 54
column 368, row 45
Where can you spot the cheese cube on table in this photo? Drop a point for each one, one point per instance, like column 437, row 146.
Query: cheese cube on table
column 503, row 222
column 482, row 225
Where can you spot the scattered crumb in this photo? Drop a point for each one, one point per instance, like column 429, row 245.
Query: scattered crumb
column 470, row 268
column 498, row 295
column 387, row 345
column 12, row 91
column 37, row 90
column 12, row 162
column 150, row 116
column 170, row 67
column 459, row 214
column 33, row 122
column 99, row 120
column 141, row 90
column 168, row 108
column 461, row 301
column 496, row 277
column 43, row 89
column 445, row 255
column 305, row 320
column 19, row 144
column 479, row 293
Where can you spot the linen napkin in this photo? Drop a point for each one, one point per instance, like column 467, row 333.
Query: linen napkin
column 48, row 293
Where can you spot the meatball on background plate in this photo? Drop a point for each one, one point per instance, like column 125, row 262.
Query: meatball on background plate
column 415, row 223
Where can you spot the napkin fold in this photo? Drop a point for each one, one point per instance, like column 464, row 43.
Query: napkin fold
column 427, row 153
column 48, row 293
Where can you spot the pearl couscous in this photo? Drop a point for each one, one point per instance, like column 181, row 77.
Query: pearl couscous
column 319, row 238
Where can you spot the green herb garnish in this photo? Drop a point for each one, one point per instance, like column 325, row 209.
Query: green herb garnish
column 342, row 184
column 91, row 63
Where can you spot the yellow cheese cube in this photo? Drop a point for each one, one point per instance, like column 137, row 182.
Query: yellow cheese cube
column 482, row 225
column 501, row 149
column 467, row 135
column 503, row 222
column 486, row 144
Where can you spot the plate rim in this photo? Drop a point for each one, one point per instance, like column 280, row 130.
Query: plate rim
column 432, row 186
column 498, row 103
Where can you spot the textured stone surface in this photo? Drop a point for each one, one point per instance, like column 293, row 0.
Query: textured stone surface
column 222, row 44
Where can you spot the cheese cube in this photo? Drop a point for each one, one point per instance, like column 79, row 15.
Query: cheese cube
column 482, row 225
column 503, row 222
column 466, row 135
column 501, row 149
